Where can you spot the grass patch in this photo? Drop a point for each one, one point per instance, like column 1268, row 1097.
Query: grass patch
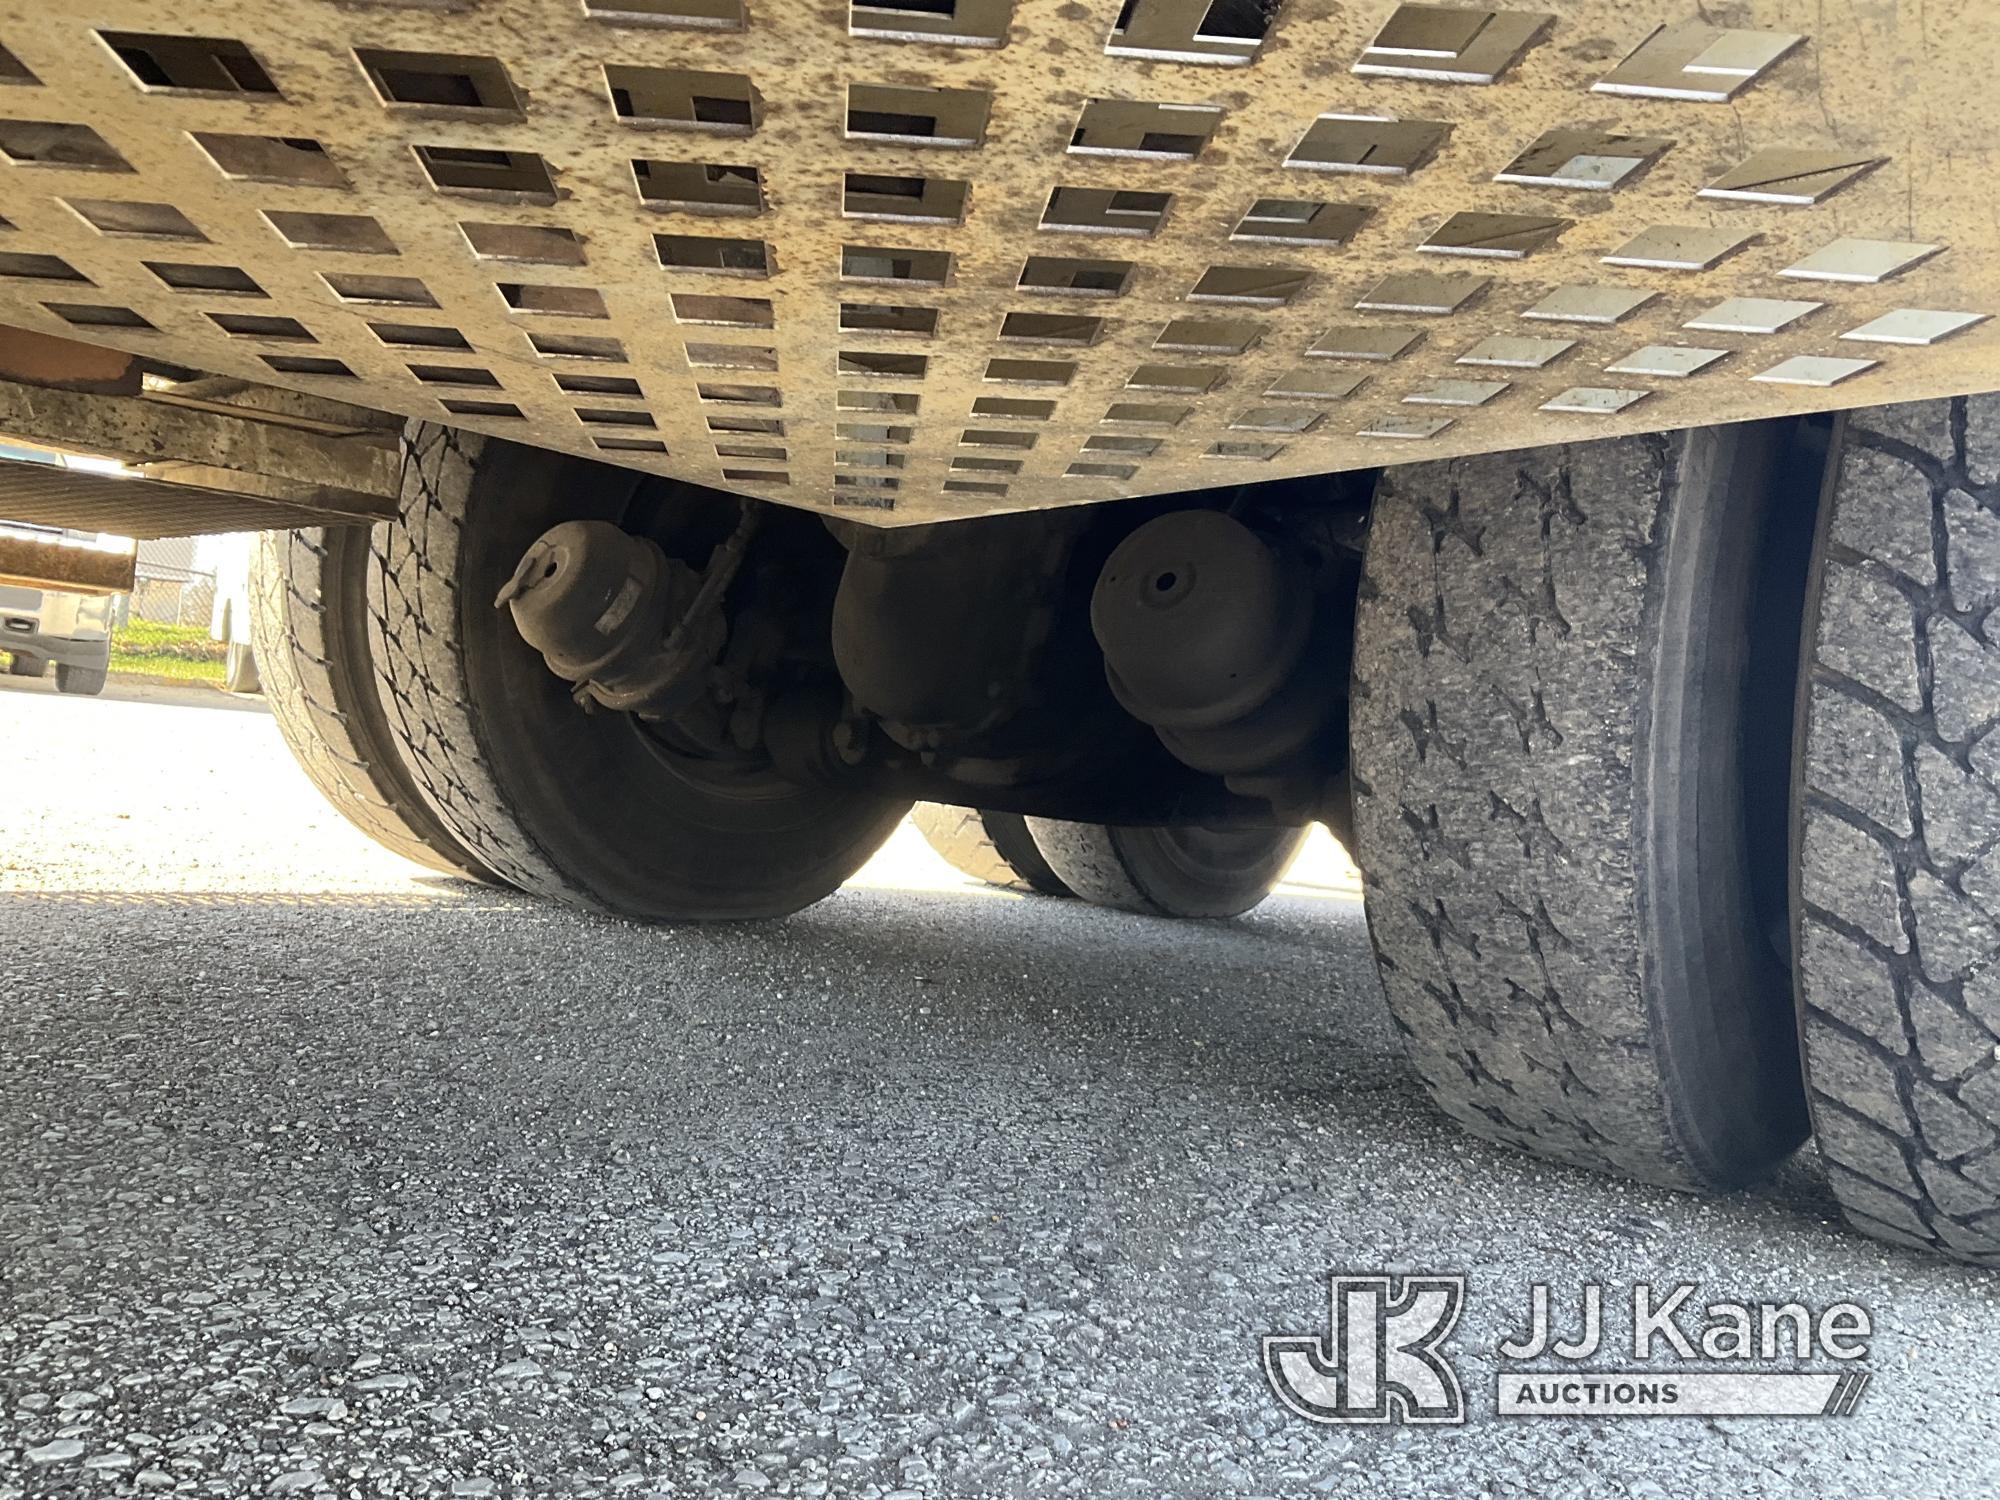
column 179, row 668
column 146, row 638
column 182, row 652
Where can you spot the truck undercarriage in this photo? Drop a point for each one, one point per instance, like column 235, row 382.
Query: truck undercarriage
column 1547, row 448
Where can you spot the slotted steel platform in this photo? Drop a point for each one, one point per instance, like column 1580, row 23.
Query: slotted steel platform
column 916, row 259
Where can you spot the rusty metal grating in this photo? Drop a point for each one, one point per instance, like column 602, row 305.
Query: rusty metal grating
column 913, row 259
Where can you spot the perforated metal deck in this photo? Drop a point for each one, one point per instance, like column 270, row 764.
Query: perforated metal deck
column 917, row 259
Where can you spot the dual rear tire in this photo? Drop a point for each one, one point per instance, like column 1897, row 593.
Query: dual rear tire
column 1220, row 871
column 591, row 809
column 1159, row 872
column 1587, row 817
column 994, row 847
column 1557, row 736
column 316, row 639
column 416, row 707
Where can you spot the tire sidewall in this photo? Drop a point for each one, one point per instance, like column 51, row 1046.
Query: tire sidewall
column 572, row 805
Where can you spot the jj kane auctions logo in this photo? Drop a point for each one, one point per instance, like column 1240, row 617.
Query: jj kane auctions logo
column 1382, row 1357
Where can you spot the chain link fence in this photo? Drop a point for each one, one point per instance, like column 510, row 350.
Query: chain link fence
column 170, row 589
column 172, row 601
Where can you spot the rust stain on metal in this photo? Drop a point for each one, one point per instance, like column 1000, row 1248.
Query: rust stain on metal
column 44, row 359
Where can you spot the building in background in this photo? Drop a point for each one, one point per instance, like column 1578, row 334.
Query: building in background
column 176, row 582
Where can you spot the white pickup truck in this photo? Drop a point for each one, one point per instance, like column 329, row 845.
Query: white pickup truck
column 39, row 626
column 45, row 625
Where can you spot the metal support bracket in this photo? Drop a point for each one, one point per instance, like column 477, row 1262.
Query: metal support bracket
column 181, row 457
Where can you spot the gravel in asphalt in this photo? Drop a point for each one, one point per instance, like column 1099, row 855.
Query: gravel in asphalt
column 322, row 1177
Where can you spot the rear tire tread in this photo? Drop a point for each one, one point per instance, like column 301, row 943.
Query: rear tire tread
column 416, row 563
column 325, row 701
column 477, row 717
column 1143, row 871
column 1507, row 676
column 1898, row 828
column 991, row 846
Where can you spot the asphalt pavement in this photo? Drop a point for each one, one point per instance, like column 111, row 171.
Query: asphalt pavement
column 321, row 1175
